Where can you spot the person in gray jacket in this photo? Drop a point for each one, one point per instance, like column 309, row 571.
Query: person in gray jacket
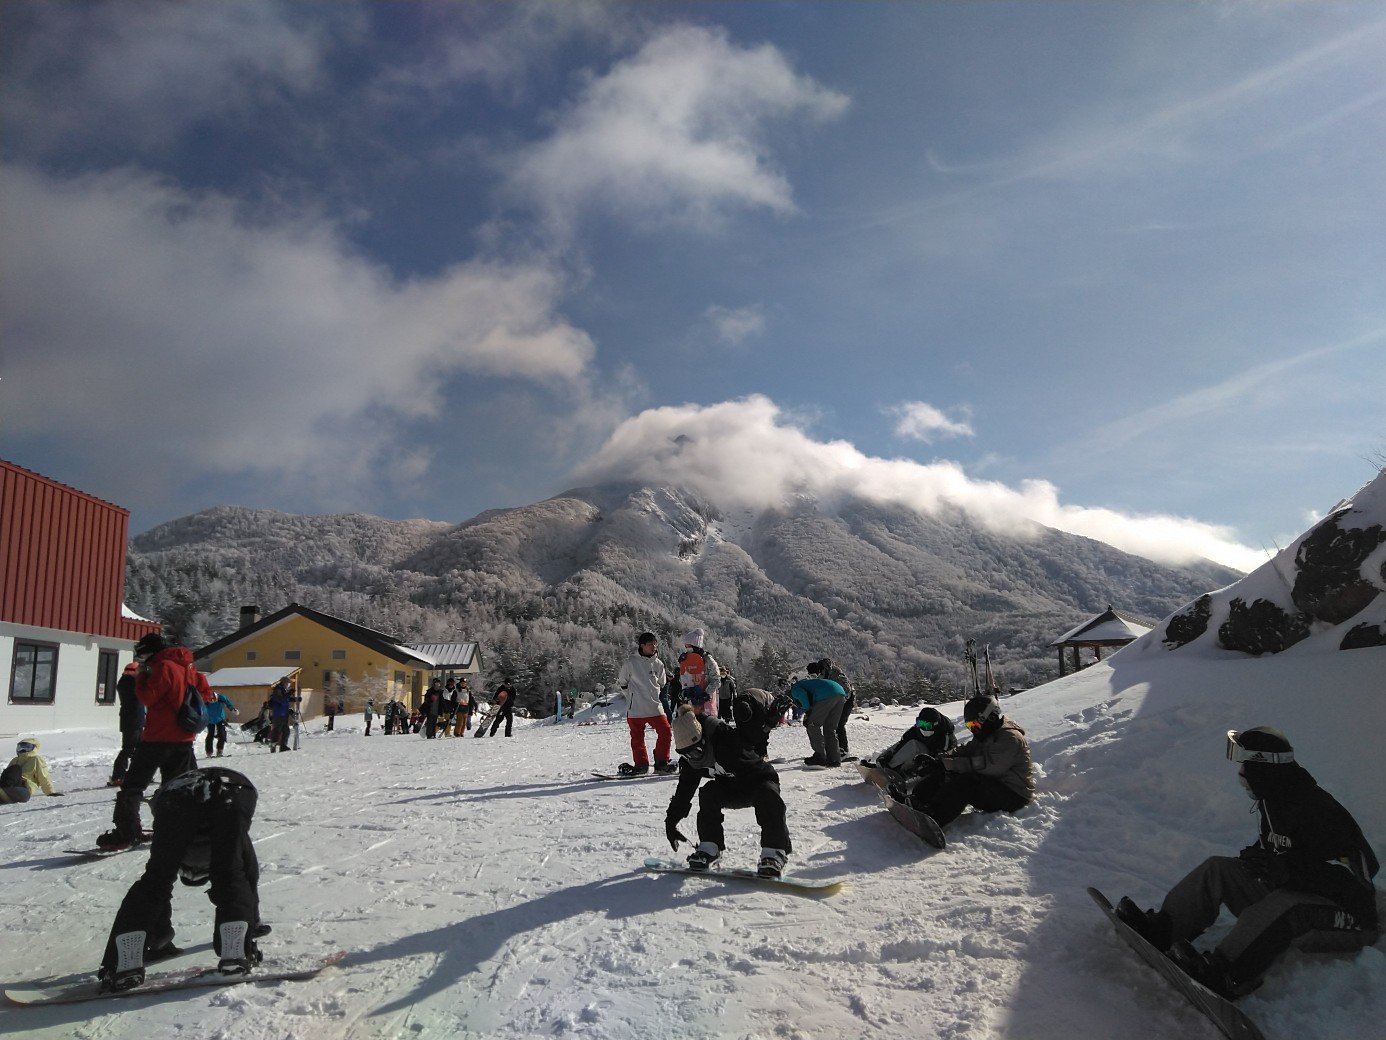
column 643, row 677
column 991, row 772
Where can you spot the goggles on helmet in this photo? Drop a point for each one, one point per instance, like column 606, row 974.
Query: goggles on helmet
column 974, row 724
column 24, row 746
column 925, row 724
column 1237, row 753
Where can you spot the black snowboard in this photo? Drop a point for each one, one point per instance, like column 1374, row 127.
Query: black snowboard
column 917, row 823
column 1222, row 1013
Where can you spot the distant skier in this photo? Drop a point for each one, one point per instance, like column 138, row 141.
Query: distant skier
column 739, row 778
column 131, row 723
column 466, row 707
column 201, row 833
column 1305, row 881
column 822, row 701
column 216, row 724
column 281, row 708
column 914, row 758
column 643, row 676
column 26, row 773
column 505, row 709
column 368, row 714
column 700, row 679
column 991, row 772
column 432, row 705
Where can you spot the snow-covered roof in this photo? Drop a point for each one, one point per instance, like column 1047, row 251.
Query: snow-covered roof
column 126, row 612
column 265, row 675
column 1110, row 626
column 446, row 655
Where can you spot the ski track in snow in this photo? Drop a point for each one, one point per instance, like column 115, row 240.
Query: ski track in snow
column 490, row 888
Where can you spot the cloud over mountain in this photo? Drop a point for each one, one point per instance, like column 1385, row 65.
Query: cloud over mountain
column 747, row 452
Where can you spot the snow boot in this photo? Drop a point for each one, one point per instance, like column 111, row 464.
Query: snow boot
column 815, row 762
column 629, row 769
column 115, row 840
column 666, row 767
column 1154, row 926
column 236, row 949
column 1208, row 969
column 128, row 971
column 771, row 863
column 160, row 947
column 705, row 855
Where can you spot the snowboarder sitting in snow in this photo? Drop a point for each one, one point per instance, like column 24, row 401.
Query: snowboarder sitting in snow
column 201, row 833
column 740, row 778
column 26, row 773
column 915, row 756
column 1307, row 879
column 990, row 772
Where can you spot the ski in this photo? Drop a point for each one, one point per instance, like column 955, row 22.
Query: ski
column 917, row 823
column 803, row 885
column 1229, row 1019
column 35, row 994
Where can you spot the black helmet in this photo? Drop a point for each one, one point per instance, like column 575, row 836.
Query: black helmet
column 937, row 729
column 982, row 710
column 150, row 645
column 1262, row 744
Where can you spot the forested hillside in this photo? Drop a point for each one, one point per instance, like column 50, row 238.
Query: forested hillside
column 556, row 591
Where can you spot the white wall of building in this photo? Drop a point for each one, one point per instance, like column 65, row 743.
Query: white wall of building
column 74, row 703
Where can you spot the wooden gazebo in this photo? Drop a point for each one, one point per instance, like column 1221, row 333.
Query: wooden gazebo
column 1111, row 628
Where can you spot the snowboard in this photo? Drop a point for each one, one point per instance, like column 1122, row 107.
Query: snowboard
column 635, row 776
column 805, row 885
column 165, row 981
column 1224, row 1014
column 99, row 853
column 876, row 775
column 917, row 823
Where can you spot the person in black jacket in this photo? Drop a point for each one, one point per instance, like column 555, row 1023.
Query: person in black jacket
column 131, row 723
column 733, row 757
column 1306, row 880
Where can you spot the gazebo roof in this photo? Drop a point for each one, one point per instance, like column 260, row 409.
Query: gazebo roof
column 1110, row 628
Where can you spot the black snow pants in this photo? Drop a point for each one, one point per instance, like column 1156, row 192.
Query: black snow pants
column 181, row 822
column 168, row 760
column 960, row 790
column 729, row 792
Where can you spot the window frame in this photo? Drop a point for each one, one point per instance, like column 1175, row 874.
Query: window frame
column 34, row 644
column 107, row 670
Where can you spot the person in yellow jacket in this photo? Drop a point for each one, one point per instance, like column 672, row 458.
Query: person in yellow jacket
column 26, row 773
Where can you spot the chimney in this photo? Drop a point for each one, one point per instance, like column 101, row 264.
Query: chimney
column 249, row 615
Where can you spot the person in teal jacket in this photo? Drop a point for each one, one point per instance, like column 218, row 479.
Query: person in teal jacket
column 216, row 723
column 822, row 701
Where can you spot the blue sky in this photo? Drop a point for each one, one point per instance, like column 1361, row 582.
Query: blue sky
column 1119, row 268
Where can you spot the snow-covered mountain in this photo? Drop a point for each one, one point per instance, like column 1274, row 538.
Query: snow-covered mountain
column 888, row 591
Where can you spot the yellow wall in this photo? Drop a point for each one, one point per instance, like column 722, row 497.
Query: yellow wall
column 368, row 672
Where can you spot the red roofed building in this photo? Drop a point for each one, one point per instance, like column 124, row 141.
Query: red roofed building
column 65, row 632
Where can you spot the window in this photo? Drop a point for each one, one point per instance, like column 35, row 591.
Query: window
column 250, row 655
column 34, row 677
column 399, row 678
column 106, row 677
column 339, row 655
column 292, row 655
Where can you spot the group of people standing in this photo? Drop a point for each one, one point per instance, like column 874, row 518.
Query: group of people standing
column 447, row 709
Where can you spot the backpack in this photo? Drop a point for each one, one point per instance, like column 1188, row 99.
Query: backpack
column 192, row 713
column 692, row 670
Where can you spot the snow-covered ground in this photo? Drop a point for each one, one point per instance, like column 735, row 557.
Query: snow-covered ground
column 488, row 888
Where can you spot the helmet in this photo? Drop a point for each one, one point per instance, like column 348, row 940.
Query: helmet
column 1262, row 744
column 150, row 645
column 937, row 729
column 981, row 710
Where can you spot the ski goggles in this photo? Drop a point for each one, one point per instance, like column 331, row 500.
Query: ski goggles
column 1237, row 753
column 927, row 725
column 24, row 747
column 974, row 724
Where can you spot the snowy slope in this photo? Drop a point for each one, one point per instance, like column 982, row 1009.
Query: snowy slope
column 486, row 888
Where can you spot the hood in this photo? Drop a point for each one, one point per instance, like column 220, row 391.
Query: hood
column 174, row 655
column 1278, row 781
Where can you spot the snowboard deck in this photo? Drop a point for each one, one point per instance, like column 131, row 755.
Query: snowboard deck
column 168, row 981
column 803, row 885
column 636, row 776
column 876, row 776
column 1224, row 1014
column 99, row 853
column 917, row 823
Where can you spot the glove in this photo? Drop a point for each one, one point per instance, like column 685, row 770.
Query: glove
column 1268, row 868
column 926, row 765
column 671, row 831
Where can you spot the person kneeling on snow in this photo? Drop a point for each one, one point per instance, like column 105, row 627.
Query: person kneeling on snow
column 740, row 778
column 915, row 756
column 201, row 833
column 990, row 772
column 1307, row 879
column 26, row 773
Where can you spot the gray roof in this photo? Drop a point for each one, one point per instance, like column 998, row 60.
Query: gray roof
column 1109, row 627
column 450, row 655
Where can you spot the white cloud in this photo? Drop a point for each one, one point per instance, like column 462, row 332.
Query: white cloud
column 735, row 325
column 743, row 453
column 920, row 421
column 143, row 326
column 674, row 134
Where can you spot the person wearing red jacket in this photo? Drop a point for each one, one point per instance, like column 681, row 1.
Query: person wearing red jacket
column 166, row 671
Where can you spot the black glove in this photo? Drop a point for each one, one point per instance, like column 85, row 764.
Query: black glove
column 1268, row 868
column 926, row 765
column 671, row 831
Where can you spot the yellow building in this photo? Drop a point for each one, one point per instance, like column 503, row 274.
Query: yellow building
column 337, row 658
